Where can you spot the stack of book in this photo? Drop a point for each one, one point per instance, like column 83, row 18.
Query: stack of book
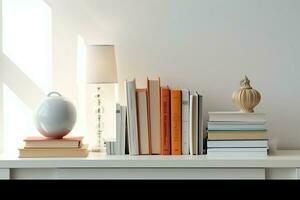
column 237, row 134
column 39, row 147
column 161, row 120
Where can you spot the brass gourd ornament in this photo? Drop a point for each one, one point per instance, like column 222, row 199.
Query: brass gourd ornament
column 246, row 98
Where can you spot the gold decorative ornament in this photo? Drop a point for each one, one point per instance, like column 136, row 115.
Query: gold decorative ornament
column 246, row 98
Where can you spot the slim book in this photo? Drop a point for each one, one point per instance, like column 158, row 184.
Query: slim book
column 176, row 122
column 165, row 126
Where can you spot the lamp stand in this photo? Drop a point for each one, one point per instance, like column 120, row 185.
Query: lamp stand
column 100, row 144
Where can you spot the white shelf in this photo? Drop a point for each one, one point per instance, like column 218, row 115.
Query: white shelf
column 282, row 159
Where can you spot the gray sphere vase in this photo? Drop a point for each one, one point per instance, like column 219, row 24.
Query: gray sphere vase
column 55, row 117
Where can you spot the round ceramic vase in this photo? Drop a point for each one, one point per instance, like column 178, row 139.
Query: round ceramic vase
column 55, row 117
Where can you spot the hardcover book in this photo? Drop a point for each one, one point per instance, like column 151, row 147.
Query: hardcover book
column 133, row 137
column 185, row 121
column 153, row 87
column 43, row 142
column 165, row 123
column 143, row 121
column 176, row 122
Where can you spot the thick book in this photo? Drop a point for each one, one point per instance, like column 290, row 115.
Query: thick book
column 153, row 88
column 133, row 137
column 237, row 143
column 185, row 107
column 237, row 135
column 143, row 121
column 236, row 116
column 58, row 152
column 238, row 153
column 43, row 142
column 165, row 122
column 176, row 122
column 194, row 123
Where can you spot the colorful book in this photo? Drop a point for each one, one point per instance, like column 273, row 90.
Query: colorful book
column 143, row 121
column 153, row 87
column 43, row 142
column 237, row 135
column 237, row 127
column 237, row 143
column 176, row 122
column 165, row 123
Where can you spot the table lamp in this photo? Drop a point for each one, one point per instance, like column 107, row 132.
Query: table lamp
column 101, row 71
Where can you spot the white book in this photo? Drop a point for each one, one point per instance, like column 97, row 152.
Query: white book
column 261, row 149
column 237, row 143
column 236, row 123
column 132, row 118
column 200, row 125
column 153, row 87
column 194, row 124
column 191, row 125
column 185, row 121
column 143, row 121
column 239, row 155
column 236, row 116
column 107, row 144
column 118, row 129
column 123, row 130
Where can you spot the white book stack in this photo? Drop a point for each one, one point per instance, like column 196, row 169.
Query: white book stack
column 237, row 134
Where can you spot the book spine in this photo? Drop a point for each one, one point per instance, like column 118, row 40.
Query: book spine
column 132, row 118
column 143, row 122
column 185, row 121
column 191, row 125
column 200, row 125
column 118, row 128
column 123, row 130
column 176, row 122
column 153, row 88
column 165, row 132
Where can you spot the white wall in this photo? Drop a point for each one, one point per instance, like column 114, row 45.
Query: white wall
column 204, row 45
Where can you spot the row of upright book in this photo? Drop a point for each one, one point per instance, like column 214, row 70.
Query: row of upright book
column 158, row 120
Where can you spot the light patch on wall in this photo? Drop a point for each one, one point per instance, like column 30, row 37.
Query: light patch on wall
column 82, row 93
column 18, row 121
column 27, row 38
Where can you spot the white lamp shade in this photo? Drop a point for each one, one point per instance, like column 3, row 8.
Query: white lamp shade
column 101, row 64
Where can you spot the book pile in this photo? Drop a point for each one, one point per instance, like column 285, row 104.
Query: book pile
column 237, row 134
column 158, row 120
column 39, row 147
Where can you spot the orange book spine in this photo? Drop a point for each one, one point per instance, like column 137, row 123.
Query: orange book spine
column 165, row 125
column 176, row 122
